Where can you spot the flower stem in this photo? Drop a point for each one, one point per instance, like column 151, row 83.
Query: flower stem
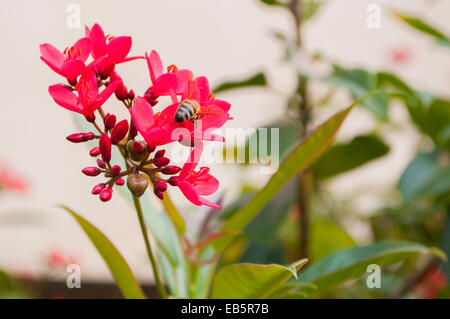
column 159, row 285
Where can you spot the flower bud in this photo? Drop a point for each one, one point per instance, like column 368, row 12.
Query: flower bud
column 119, row 131
column 151, row 149
column 105, row 147
column 161, row 161
column 171, row 169
column 110, row 121
column 116, row 169
column 133, row 131
column 91, row 171
column 136, row 150
column 80, row 137
column 131, row 95
column 94, row 152
column 137, row 184
column 161, row 186
column 159, row 194
column 90, row 118
column 105, row 194
column 160, row 153
column 120, row 181
column 97, row 189
column 101, row 163
column 173, row 180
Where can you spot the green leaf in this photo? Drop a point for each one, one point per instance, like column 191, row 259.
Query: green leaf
column 424, row 27
column 352, row 263
column 425, row 176
column 114, row 260
column 326, row 238
column 174, row 215
column 359, row 82
column 336, row 159
column 301, row 157
column 258, row 79
column 385, row 79
column 251, row 281
column 310, row 9
column 273, row 3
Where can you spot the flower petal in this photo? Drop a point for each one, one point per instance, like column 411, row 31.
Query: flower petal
column 208, row 187
column 118, row 48
column 166, row 82
column 224, row 105
column 52, row 57
column 142, row 115
column 203, row 87
column 73, row 68
column 189, row 192
column 65, row 98
column 84, row 46
column 209, row 203
column 98, row 41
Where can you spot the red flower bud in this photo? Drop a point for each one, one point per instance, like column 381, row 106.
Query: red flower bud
column 133, row 131
column 131, row 95
column 151, row 149
column 173, row 180
column 120, row 181
column 105, row 147
column 137, row 148
column 116, row 169
column 90, row 117
column 161, row 161
column 171, row 169
column 160, row 153
column 94, row 152
column 91, row 171
column 110, row 121
column 161, row 186
column 119, row 131
column 159, row 194
column 101, row 163
column 97, row 189
column 80, row 137
column 105, row 194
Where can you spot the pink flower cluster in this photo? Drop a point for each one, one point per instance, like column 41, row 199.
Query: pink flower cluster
column 91, row 83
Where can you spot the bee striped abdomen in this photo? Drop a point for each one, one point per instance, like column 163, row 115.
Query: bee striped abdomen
column 187, row 110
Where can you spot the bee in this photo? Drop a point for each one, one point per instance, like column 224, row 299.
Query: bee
column 188, row 110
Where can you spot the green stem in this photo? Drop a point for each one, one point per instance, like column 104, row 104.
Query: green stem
column 159, row 284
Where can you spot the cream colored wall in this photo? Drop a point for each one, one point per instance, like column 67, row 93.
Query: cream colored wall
column 222, row 39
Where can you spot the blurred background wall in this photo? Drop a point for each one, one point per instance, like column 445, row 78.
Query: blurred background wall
column 223, row 39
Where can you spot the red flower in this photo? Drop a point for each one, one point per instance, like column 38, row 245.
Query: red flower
column 113, row 50
column 162, row 83
column 194, row 184
column 71, row 62
column 88, row 100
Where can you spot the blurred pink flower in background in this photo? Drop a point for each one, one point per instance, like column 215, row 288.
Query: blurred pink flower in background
column 58, row 258
column 9, row 180
column 401, row 54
